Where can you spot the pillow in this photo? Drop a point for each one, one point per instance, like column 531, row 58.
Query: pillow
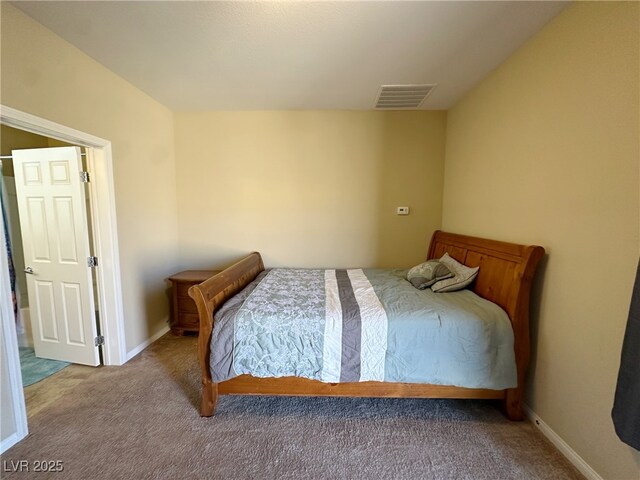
column 426, row 274
column 462, row 276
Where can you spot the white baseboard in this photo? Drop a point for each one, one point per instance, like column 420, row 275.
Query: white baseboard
column 146, row 343
column 561, row 445
column 10, row 441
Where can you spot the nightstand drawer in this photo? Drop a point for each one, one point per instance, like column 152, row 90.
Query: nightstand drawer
column 184, row 316
column 188, row 320
column 187, row 305
column 182, row 289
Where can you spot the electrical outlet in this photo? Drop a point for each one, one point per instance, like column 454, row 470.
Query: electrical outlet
column 402, row 210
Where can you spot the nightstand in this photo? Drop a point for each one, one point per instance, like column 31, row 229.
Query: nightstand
column 184, row 317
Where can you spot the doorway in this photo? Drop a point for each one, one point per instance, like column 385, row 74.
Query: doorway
column 109, row 295
column 47, row 218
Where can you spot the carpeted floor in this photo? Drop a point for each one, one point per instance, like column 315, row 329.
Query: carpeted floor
column 141, row 421
column 35, row 369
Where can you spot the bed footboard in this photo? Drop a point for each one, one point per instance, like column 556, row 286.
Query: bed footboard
column 209, row 296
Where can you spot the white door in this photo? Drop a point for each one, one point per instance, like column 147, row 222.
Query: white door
column 53, row 222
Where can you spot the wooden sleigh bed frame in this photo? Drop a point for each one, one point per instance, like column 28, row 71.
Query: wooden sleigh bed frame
column 505, row 277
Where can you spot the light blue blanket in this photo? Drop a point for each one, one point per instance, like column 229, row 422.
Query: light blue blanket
column 359, row 325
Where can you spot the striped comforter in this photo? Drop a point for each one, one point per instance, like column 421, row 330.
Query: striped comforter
column 360, row 325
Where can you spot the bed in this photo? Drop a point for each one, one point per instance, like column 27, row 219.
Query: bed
column 504, row 278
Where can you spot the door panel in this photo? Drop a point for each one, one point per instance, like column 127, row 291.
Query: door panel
column 44, row 313
column 53, row 220
column 72, row 308
column 37, row 220
column 67, row 249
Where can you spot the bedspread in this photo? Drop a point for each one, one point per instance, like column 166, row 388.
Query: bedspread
column 360, row 325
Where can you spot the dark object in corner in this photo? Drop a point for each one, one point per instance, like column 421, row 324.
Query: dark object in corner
column 626, row 405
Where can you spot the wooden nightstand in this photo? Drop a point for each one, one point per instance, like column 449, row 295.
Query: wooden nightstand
column 184, row 317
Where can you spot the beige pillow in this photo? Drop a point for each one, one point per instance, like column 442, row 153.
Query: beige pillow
column 426, row 274
column 462, row 276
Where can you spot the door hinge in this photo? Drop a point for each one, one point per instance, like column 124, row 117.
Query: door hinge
column 92, row 262
column 84, row 177
column 99, row 340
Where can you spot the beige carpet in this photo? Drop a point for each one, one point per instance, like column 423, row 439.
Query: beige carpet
column 141, row 421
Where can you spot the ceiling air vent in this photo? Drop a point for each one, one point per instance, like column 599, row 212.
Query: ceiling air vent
column 402, row 96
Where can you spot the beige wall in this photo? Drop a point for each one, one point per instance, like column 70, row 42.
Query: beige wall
column 546, row 150
column 44, row 75
column 313, row 188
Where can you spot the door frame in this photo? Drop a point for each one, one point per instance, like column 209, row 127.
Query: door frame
column 11, row 354
column 103, row 213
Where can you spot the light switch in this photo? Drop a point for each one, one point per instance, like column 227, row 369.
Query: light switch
column 402, row 210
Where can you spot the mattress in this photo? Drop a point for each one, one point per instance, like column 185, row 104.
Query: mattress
column 358, row 325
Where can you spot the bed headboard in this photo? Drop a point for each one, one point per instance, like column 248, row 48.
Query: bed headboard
column 505, row 277
column 506, row 269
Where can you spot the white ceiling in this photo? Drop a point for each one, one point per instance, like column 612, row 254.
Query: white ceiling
column 294, row 55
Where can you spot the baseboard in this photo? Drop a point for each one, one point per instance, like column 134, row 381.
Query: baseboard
column 10, row 441
column 146, row 343
column 563, row 446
